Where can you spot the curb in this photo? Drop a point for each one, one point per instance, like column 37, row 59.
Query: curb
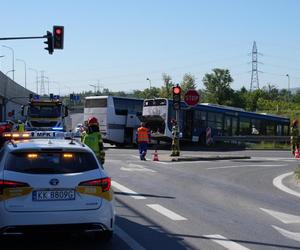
column 210, row 158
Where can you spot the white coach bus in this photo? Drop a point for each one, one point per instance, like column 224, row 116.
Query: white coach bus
column 117, row 116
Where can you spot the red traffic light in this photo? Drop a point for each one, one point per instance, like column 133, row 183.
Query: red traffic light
column 58, row 31
column 176, row 90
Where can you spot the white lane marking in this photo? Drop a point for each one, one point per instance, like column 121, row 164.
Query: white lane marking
column 161, row 162
column 128, row 240
column 288, row 234
column 126, row 190
column 251, row 165
column 221, row 240
column 136, row 167
column 283, row 217
column 137, row 157
column 277, row 182
column 166, row 212
column 273, row 158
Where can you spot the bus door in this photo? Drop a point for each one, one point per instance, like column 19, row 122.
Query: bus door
column 187, row 129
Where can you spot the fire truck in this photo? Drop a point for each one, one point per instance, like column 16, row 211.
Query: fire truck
column 45, row 113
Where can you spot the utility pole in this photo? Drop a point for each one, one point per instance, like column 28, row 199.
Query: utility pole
column 254, row 73
column 42, row 88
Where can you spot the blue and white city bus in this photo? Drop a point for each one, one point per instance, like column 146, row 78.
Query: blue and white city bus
column 117, row 116
column 222, row 120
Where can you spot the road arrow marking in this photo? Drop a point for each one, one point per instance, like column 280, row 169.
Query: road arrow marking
column 221, row 240
column 288, row 234
column 283, row 217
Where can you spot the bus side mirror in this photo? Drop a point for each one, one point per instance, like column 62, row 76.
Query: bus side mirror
column 22, row 110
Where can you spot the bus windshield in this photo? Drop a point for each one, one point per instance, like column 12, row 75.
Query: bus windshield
column 44, row 111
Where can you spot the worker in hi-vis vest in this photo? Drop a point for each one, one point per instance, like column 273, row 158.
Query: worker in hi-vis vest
column 175, row 139
column 143, row 140
column 20, row 126
column 93, row 139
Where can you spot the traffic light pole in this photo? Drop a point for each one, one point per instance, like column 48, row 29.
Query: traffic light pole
column 23, row 37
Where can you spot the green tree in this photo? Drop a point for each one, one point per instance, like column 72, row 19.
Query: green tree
column 165, row 90
column 217, row 87
column 147, row 93
column 188, row 82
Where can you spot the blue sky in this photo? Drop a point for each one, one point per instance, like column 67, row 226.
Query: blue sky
column 121, row 43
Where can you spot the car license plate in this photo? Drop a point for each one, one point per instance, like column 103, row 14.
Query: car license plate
column 53, row 195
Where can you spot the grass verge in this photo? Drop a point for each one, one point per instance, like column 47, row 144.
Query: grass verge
column 297, row 173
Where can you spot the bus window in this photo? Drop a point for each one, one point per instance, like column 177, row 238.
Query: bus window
column 215, row 120
column 245, row 126
column 234, row 126
column 227, row 126
column 95, row 103
column 256, row 127
column 270, row 128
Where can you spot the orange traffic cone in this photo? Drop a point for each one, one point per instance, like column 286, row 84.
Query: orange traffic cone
column 297, row 153
column 155, row 156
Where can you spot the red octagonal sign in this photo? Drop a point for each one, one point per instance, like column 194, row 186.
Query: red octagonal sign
column 191, row 97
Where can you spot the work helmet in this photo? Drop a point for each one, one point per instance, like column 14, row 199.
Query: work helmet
column 20, row 122
column 173, row 121
column 92, row 121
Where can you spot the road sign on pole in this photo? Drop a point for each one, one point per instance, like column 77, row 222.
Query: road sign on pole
column 192, row 97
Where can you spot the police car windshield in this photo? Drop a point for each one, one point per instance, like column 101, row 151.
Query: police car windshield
column 50, row 162
column 44, row 111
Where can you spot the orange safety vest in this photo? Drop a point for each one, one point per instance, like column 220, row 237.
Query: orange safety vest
column 142, row 134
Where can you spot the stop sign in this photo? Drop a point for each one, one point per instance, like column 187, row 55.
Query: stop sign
column 191, row 97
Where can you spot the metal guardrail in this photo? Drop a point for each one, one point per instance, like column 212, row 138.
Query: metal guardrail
column 254, row 138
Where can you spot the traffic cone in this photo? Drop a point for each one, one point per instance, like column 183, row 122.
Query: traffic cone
column 297, row 153
column 155, row 156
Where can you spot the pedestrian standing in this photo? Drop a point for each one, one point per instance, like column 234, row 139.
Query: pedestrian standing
column 294, row 136
column 175, row 140
column 143, row 140
column 93, row 139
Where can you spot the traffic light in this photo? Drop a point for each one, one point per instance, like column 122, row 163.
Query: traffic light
column 71, row 97
column 176, row 90
column 58, row 37
column 49, row 42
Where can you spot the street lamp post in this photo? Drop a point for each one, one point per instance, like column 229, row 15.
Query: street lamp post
column 148, row 79
column 94, row 86
column 9, row 72
column 25, row 67
column 13, row 59
column 288, row 94
column 36, row 79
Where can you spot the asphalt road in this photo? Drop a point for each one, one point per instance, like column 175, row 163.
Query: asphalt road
column 225, row 204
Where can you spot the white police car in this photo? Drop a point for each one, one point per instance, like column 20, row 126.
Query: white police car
column 53, row 184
